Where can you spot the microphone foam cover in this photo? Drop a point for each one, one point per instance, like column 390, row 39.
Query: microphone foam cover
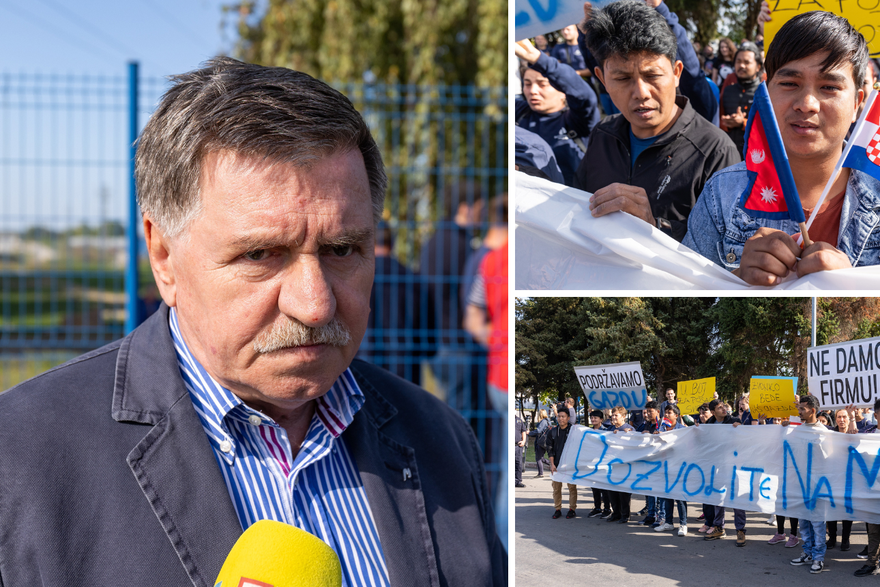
column 274, row 554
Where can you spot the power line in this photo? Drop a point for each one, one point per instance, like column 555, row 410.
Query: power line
column 187, row 32
column 88, row 27
column 61, row 33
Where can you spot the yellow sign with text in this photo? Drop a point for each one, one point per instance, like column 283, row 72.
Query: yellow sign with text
column 772, row 397
column 692, row 394
column 864, row 15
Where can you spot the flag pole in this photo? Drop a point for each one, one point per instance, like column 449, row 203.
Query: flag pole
column 839, row 166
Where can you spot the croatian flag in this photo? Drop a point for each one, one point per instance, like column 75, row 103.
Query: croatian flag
column 864, row 147
column 771, row 192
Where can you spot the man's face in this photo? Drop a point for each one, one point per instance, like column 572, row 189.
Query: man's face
column 542, row 97
column 562, row 418
column 842, row 419
column 745, row 66
column 806, row 413
column 570, row 33
column 651, row 414
column 541, row 42
column 814, row 109
column 642, row 86
column 670, row 395
column 720, row 411
column 274, row 245
column 670, row 415
column 705, row 415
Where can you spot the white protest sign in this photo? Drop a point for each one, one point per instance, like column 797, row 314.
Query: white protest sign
column 845, row 373
column 536, row 17
column 795, row 471
column 619, row 384
column 559, row 245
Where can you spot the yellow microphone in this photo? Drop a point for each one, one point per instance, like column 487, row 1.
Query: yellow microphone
column 274, row 554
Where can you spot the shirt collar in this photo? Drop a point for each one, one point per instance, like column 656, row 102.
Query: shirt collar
column 215, row 403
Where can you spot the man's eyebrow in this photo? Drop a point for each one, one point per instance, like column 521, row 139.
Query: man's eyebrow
column 789, row 72
column 357, row 236
column 832, row 76
column 253, row 242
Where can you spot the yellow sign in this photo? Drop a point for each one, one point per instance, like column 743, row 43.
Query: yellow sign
column 692, row 394
column 864, row 15
column 772, row 397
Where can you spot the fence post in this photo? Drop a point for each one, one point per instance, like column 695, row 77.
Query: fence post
column 132, row 277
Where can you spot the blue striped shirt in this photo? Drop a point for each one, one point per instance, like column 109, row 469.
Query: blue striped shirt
column 318, row 490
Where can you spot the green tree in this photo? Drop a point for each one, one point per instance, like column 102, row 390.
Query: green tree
column 424, row 42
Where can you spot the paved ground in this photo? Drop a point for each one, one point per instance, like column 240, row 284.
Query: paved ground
column 591, row 551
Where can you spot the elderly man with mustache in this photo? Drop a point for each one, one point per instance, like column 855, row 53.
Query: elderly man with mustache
column 141, row 463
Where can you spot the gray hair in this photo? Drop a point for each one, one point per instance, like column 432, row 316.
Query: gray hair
column 271, row 113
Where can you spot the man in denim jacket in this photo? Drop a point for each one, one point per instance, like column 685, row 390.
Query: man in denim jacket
column 815, row 69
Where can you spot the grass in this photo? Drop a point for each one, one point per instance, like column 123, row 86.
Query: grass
column 14, row 370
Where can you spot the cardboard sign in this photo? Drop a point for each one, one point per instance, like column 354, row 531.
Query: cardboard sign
column 619, row 384
column 845, row 373
column 864, row 15
column 536, row 17
column 692, row 394
column 773, row 397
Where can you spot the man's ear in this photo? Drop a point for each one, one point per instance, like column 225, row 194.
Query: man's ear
column 677, row 68
column 599, row 74
column 860, row 97
column 159, row 249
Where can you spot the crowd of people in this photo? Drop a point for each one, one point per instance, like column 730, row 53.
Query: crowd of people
column 664, row 514
column 626, row 107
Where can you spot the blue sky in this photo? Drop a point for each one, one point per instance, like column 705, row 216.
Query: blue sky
column 100, row 36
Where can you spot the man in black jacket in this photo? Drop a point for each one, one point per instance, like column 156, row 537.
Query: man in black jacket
column 737, row 98
column 556, row 443
column 715, row 514
column 653, row 159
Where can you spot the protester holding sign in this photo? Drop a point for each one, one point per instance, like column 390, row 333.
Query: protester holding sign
column 557, row 105
column 600, row 496
column 872, row 551
column 556, row 444
column 812, row 531
column 815, row 71
column 653, row 158
column 620, row 500
column 714, row 513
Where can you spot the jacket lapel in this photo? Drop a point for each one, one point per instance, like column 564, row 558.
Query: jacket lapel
column 174, row 464
column 391, row 480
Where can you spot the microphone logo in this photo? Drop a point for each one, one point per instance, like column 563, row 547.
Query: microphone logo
column 245, row 582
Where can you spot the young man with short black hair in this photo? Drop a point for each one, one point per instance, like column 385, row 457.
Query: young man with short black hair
column 872, row 550
column 812, row 531
column 815, row 71
column 650, row 426
column 557, row 437
column 620, row 500
column 653, row 159
column 715, row 513
column 600, row 496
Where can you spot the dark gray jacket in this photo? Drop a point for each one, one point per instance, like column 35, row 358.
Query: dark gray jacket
column 672, row 171
column 107, row 478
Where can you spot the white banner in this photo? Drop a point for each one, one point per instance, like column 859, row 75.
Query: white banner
column 560, row 246
column 794, row 471
column 618, row 384
column 845, row 373
column 536, row 17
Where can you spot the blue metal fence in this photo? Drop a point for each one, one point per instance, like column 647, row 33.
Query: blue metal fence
column 66, row 272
